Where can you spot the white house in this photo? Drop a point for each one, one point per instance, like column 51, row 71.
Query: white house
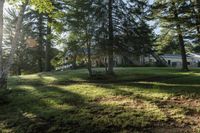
column 175, row 60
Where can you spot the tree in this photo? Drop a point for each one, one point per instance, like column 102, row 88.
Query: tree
column 111, row 37
column 40, row 7
column 52, row 19
column 1, row 40
column 25, row 55
column 180, row 37
column 172, row 17
column 167, row 44
column 6, row 68
column 42, row 24
column 48, row 45
column 106, row 25
column 74, row 48
column 80, row 20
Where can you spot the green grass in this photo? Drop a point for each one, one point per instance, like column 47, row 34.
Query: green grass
column 136, row 100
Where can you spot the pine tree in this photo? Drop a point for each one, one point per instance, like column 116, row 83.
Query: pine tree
column 172, row 16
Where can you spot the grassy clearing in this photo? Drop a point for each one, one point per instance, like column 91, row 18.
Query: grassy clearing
column 157, row 100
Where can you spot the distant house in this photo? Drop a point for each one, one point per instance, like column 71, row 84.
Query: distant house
column 119, row 60
column 171, row 60
column 175, row 60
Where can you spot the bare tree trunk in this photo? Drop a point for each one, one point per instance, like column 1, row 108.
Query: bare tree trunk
column 19, row 72
column 40, row 41
column 48, row 47
column 4, row 74
column 89, row 58
column 111, row 36
column 74, row 65
column 183, row 51
column 88, row 45
column 181, row 42
column 1, row 44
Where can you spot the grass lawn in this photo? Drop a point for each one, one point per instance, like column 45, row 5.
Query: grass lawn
column 138, row 100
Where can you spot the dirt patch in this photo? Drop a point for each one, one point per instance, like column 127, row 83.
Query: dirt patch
column 187, row 115
column 172, row 130
column 182, row 114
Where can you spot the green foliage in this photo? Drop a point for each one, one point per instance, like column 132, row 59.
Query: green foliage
column 58, row 60
column 167, row 44
column 43, row 6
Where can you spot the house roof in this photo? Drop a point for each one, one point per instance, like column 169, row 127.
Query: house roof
column 194, row 55
column 171, row 56
column 175, row 56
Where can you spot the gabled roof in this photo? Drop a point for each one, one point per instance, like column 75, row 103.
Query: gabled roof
column 175, row 56
column 194, row 55
column 171, row 56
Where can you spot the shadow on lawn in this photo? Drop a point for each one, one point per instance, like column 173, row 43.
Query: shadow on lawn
column 184, row 102
column 49, row 108
column 52, row 109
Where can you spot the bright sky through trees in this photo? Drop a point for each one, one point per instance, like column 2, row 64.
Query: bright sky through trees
column 151, row 1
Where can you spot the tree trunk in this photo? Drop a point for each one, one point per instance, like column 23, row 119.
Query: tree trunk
column 3, row 90
column 89, row 58
column 88, row 45
column 111, row 36
column 15, row 39
column 48, row 47
column 19, row 72
column 181, row 42
column 2, row 82
column 183, row 52
column 106, row 65
column 40, row 41
column 40, row 66
column 74, row 62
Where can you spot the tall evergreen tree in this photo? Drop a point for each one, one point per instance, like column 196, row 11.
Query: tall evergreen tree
column 172, row 17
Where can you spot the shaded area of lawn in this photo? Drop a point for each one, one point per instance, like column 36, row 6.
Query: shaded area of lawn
column 40, row 103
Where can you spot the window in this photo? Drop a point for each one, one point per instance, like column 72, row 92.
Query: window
column 169, row 62
column 174, row 64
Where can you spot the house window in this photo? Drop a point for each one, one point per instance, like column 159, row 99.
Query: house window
column 174, row 64
column 169, row 62
column 188, row 63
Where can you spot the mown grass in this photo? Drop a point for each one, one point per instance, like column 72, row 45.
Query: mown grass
column 136, row 100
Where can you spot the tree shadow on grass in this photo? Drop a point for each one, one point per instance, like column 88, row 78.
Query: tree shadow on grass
column 50, row 108
column 53, row 109
column 180, row 107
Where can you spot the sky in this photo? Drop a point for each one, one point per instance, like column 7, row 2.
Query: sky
column 151, row 1
column 6, row 5
column 157, row 30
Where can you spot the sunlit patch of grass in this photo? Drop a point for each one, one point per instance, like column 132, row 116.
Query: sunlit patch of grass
column 4, row 129
column 177, row 114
